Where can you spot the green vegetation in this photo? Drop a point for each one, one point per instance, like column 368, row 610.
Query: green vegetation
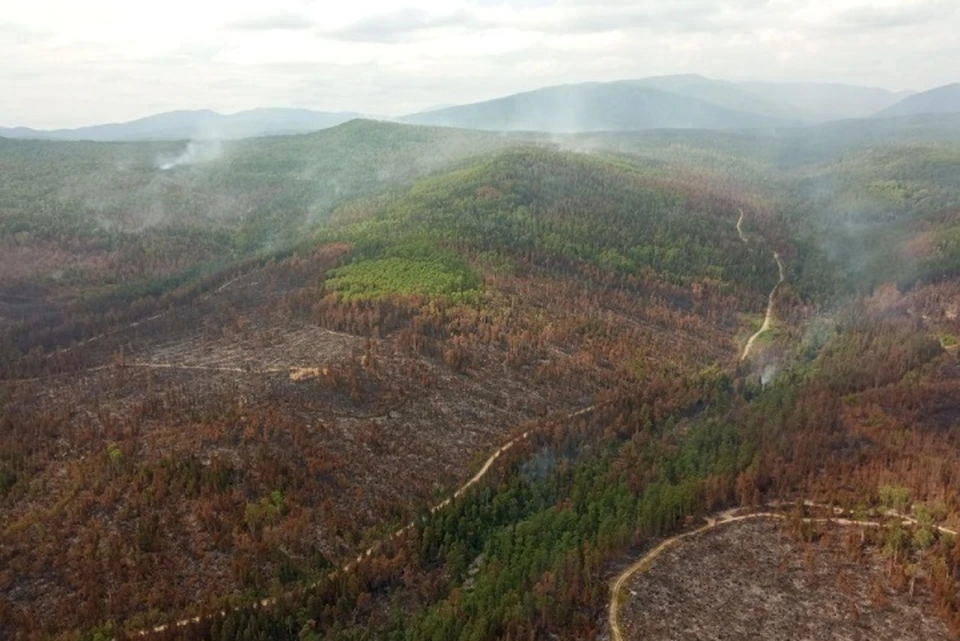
column 852, row 206
column 265, row 190
column 170, row 227
column 266, row 511
column 870, row 210
column 558, row 206
column 114, row 452
column 381, row 277
column 894, row 497
column 538, row 534
column 526, row 555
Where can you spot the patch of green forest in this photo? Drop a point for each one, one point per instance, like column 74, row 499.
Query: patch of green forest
column 559, row 206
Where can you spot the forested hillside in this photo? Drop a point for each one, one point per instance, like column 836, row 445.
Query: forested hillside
column 255, row 405
column 83, row 223
column 331, row 389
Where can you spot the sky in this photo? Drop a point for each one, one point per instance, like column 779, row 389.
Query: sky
column 65, row 63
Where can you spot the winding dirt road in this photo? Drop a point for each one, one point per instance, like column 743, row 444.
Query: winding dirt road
column 484, row 469
column 724, row 518
column 768, row 316
column 740, row 227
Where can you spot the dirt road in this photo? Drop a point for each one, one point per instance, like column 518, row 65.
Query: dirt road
column 768, row 315
column 349, row 566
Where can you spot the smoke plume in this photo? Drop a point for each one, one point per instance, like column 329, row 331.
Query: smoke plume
column 195, row 152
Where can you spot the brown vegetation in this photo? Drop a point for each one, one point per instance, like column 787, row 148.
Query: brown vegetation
column 254, row 431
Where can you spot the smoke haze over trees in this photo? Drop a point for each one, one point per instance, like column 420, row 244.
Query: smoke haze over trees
column 600, row 348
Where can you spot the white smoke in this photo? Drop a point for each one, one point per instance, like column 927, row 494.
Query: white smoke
column 197, row 151
column 769, row 374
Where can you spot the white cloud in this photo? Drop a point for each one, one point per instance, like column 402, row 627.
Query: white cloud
column 64, row 63
column 282, row 21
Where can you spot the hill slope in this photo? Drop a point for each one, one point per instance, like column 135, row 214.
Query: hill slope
column 945, row 99
column 819, row 102
column 125, row 187
column 592, row 107
column 799, row 102
column 135, row 226
column 729, row 95
column 295, row 404
column 184, row 449
column 687, row 101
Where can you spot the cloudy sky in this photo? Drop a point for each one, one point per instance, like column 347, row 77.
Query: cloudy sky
column 69, row 63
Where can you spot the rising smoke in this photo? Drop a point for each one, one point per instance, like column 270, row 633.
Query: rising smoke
column 197, row 151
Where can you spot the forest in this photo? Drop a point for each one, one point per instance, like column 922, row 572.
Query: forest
column 227, row 388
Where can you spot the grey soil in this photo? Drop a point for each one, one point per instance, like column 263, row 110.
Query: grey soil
column 751, row 580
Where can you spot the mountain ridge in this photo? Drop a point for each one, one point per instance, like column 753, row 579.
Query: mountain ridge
column 680, row 101
column 592, row 107
column 664, row 102
column 943, row 99
column 189, row 124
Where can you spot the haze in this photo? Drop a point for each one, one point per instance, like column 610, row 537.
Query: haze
column 65, row 64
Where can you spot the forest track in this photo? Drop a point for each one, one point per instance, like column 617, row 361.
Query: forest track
column 141, row 321
column 212, row 368
column 167, row 366
column 478, row 476
column 768, row 315
column 724, row 518
column 351, row 565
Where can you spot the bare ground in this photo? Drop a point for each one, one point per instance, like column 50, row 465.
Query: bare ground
column 752, row 580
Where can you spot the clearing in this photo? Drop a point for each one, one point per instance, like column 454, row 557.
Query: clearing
column 753, row 580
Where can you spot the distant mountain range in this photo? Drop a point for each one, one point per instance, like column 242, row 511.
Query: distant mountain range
column 945, row 99
column 196, row 125
column 799, row 102
column 592, row 107
column 664, row 102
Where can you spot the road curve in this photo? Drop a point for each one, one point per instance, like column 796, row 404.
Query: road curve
column 723, row 518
